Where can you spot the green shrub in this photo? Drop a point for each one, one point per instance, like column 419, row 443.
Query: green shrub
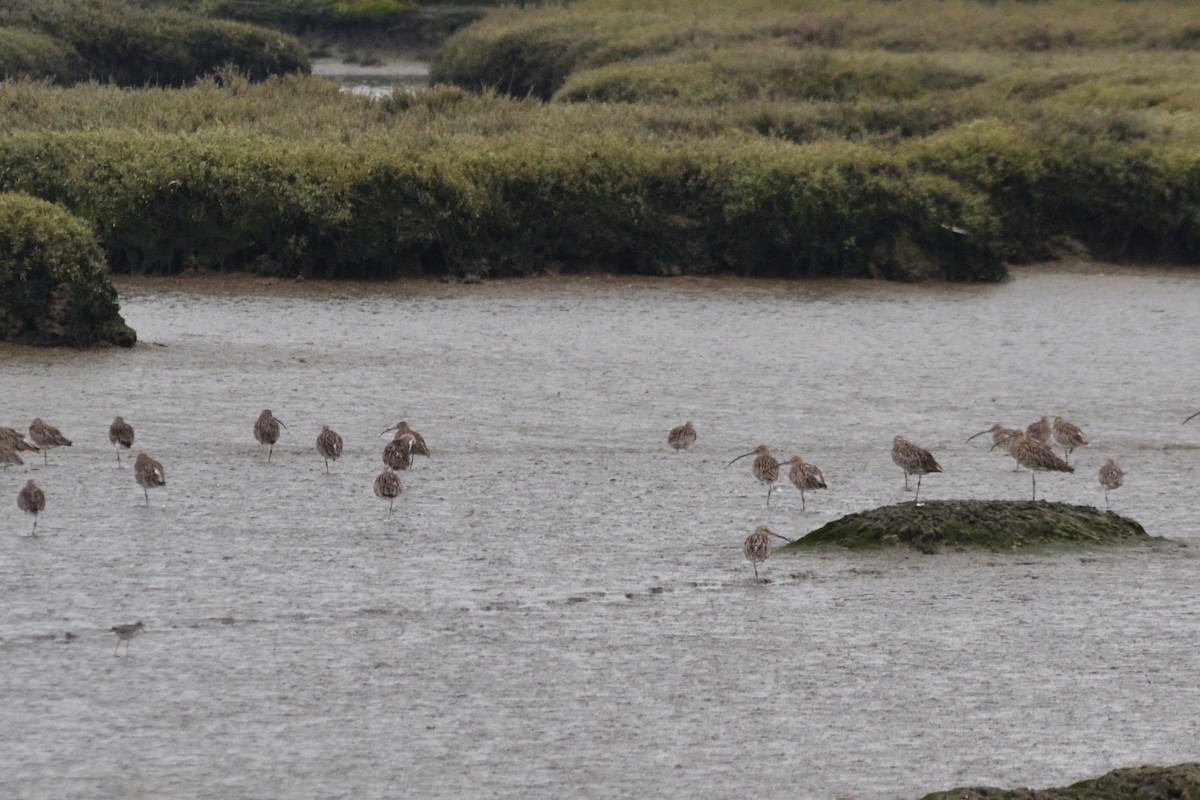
column 54, row 286
column 26, row 53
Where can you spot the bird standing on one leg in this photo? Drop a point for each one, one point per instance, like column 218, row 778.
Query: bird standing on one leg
column 758, row 546
column 266, row 430
column 682, row 437
column 387, row 486
column 329, row 445
column 1036, row 457
column 32, row 500
column 1069, row 436
column 149, row 474
column 804, row 476
column 765, row 468
column 46, row 436
column 1111, row 477
column 120, row 435
column 913, row 460
column 415, row 443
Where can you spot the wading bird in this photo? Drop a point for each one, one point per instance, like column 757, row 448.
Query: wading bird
column 124, row 634
column 329, row 445
column 46, row 436
column 149, row 474
column 1111, row 477
column 913, row 460
column 8, row 455
column 804, row 476
column 397, row 454
column 1036, row 457
column 1068, row 436
column 1040, row 431
column 766, row 468
column 266, row 430
column 999, row 434
column 418, row 444
column 120, row 434
column 683, row 437
column 758, row 546
column 387, row 486
column 31, row 500
column 16, row 441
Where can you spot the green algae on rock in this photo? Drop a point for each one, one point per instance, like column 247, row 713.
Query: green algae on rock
column 994, row 524
column 54, row 283
column 1181, row 782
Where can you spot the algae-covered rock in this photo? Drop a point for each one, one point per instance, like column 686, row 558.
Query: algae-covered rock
column 1180, row 782
column 993, row 524
column 54, row 284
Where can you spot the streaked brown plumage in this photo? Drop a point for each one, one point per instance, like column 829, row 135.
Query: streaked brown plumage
column 758, row 546
column 387, row 486
column 1040, row 431
column 329, row 445
column 46, row 436
column 765, row 468
column 149, row 474
column 683, row 437
column 1036, row 457
column 1068, row 436
column 913, row 460
column 125, row 633
column 419, row 447
column 16, row 441
column 397, row 454
column 31, row 500
column 999, row 434
column 266, row 430
column 8, row 455
column 804, row 476
column 1111, row 477
column 120, row 435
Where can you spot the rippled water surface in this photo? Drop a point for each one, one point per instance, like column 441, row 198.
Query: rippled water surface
column 560, row 607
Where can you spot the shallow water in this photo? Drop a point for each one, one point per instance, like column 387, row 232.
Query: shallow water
column 377, row 80
column 560, row 606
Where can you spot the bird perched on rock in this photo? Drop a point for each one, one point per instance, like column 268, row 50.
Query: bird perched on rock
column 913, row 460
column 1036, row 457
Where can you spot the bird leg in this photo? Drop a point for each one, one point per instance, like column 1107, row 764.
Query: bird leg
column 918, row 495
column 802, row 506
column 269, row 452
column 906, row 479
column 146, row 492
column 770, row 486
column 119, row 459
column 1033, row 475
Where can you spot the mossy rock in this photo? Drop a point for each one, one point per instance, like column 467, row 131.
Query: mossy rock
column 1180, row 782
column 994, row 524
column 54, row 283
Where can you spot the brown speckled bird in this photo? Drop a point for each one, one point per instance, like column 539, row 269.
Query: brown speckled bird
column 765, row 468
column 149, row 474
column 120, row 435
column 683, row 437
column 758, row 546
column 1111, row 477
column 32, row 500
column 804, row 476
column 913, row 460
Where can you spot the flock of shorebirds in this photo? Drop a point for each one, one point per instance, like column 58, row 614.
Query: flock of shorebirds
column 149, row 474
column 1029, row 447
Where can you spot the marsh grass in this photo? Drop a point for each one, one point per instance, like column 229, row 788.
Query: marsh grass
column 823, row 139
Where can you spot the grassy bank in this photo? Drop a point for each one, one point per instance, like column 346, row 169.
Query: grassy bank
column 856, row 138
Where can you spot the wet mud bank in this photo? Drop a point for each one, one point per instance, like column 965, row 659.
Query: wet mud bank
column 994, row 524
column 1145, row 783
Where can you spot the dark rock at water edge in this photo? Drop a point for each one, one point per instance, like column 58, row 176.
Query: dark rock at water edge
column 54, row 283
column 994, row 524
column 1180, row 782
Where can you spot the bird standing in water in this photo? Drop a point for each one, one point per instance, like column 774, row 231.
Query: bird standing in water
column 1069, row 436
column 149, row 474
column 266, row 430
column 329, row 445
column 804, row 476
column 120, row 435
column 31, row 500
column 758, row 546
column 765, row 468
column 387, row 486
column 46, row 436
column 683, row 437
column 1111, row 477
column 1035, row 456
column 124, row 634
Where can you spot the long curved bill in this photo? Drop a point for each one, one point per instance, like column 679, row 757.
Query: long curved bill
column 981, row 433
column 743, row 455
